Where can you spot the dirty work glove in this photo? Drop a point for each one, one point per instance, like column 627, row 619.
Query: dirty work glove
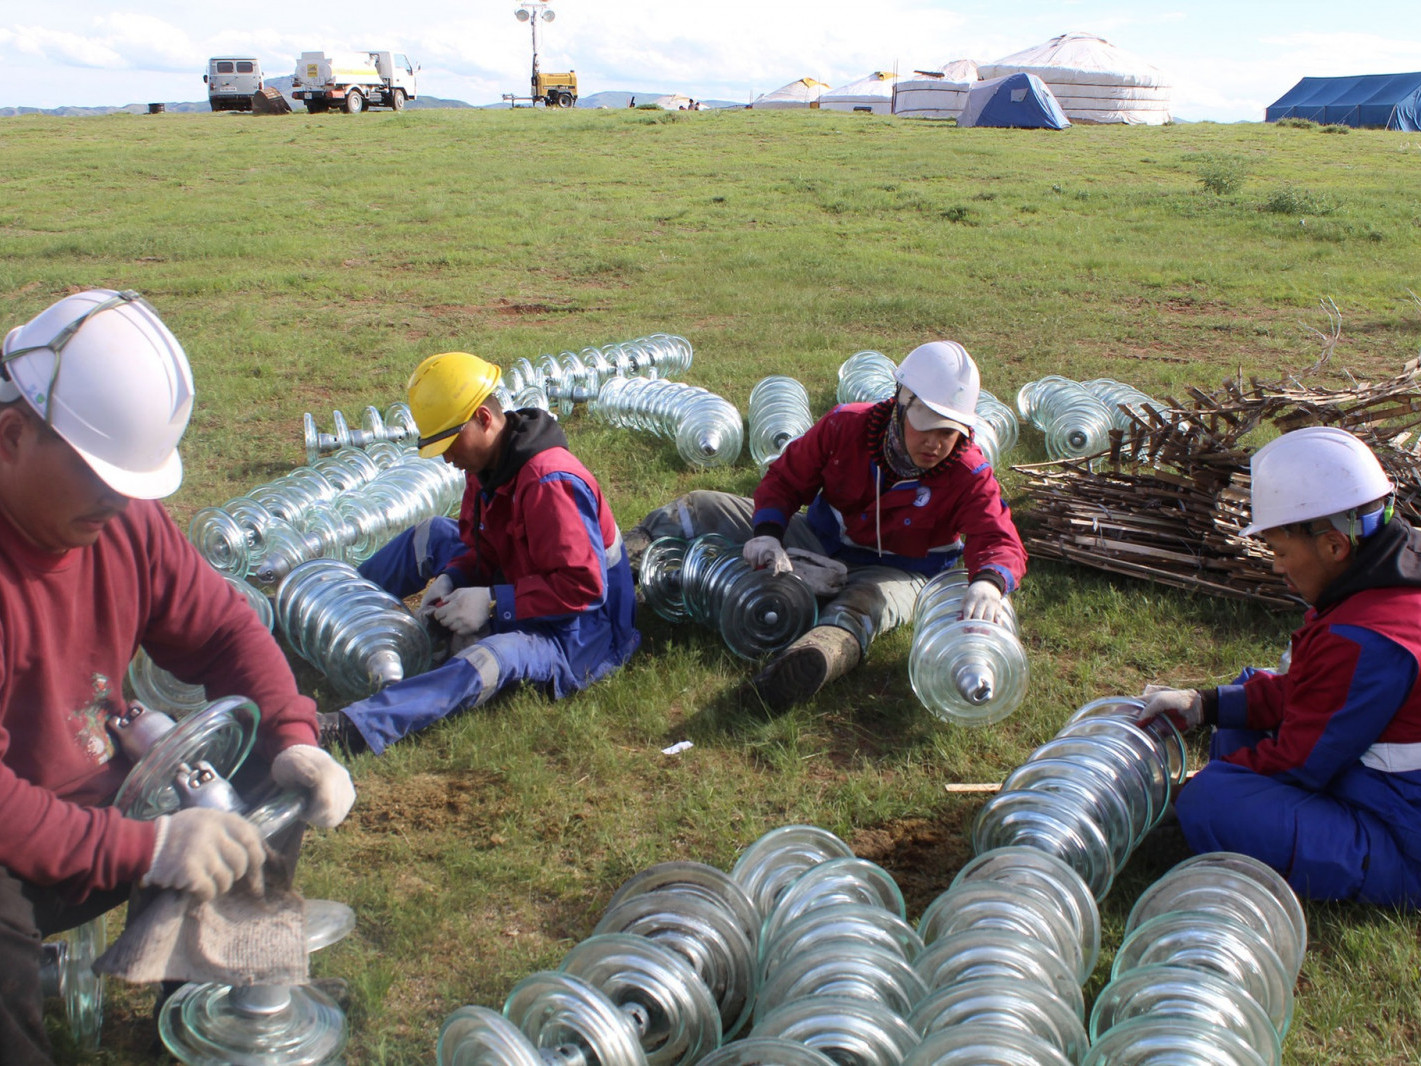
column 1182, row 706
column 329, row 793
column 466, row 611
column 767, row 553
column 983, row 601
column 439, row 589
column 205, row 852
column 823, row 575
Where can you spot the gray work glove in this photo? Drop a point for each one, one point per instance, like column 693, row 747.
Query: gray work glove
column 823, row 575
column 439, row 590
column 983, row 601
column 1182, row 706
column 329, row 792
column 466, row 611
column 205, row 852
column 767, row 553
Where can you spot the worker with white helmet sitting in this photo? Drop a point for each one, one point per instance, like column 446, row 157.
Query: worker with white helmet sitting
column 1317, row 771
column 95, row 394
column 896, row 492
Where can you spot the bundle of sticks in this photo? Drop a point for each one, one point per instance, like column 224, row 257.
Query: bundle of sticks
column 1169, row 498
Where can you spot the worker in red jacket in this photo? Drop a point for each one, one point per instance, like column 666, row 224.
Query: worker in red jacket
column 533, row 583
column 895, row 492
column 1317, row 770
column 95, row 394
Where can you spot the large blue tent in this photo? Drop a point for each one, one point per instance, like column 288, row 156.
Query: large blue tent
column 1020, row 101
column 1390, row 101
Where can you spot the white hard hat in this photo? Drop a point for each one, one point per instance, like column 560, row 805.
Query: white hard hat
column 109, row 378
column 1312, row 473
column 946, row 383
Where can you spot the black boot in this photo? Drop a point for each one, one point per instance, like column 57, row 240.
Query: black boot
column 338, row 733
column 806, row 666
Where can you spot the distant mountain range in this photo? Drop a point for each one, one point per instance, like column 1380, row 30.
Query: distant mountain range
column 611, row 99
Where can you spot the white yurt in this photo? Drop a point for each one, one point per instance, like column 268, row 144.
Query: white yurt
column 803, row 92
column 873, row 93
column 935, row 93
column 1092, row 80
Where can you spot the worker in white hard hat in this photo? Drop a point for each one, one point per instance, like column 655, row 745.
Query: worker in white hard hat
column 895, row 492
column 1317, row 770
column 95, row 394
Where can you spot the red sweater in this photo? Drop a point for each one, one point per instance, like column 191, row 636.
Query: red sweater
column 69, row 624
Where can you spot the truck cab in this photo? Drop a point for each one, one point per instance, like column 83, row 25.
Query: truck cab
column 231, row 81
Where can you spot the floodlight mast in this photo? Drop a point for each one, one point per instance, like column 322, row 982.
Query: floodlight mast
column 531, row 12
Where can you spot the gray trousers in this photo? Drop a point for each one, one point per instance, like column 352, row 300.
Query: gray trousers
column 874, row 600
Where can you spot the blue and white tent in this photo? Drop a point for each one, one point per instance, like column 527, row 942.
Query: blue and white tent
column 1019, row 101
column 1389, row 101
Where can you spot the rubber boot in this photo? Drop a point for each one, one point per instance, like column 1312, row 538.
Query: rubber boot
column 635, row 541
column 806, row 666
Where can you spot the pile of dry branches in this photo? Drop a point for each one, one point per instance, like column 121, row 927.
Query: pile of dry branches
column 1168, row 500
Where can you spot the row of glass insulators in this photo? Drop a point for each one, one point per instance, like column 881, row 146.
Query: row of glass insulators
column 1092, row 793
column 708, row 581
column 778, row 413
column 570, row 378
column 970, row 672
column 395, row 426
column 867, row 377
column 992, row 972
column 357, row 634
column 1206, row 970
column 1077, row 417
column 707, row 428
column 187, row 764
column 345, row 507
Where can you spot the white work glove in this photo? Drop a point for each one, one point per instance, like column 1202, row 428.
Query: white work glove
column 466, row 611
column 438, row 590
column 823, row 575
column 983, row 601
column 205, row 852
column 1182, row 706
column 767, row 553
column 329, row 793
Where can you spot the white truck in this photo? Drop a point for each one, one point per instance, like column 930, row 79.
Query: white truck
column 231, row 81
column 353, row 81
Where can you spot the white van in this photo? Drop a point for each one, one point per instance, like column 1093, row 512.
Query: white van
column 231, row 81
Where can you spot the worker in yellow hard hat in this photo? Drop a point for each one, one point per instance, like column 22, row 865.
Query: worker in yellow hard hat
column 532, row 582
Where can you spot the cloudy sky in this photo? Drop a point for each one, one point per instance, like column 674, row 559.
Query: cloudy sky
column 1227, row 59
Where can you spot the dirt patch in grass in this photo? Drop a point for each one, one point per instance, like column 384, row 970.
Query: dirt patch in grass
column 922, row 854
column 428, row 802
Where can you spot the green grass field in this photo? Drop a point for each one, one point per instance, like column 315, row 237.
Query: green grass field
column 308, row 263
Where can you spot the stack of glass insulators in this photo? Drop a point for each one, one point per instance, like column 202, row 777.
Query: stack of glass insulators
column 1076, row 422
column 157, row 688
column 708, row 581
column 350, row 629
column 189, row 764
column 996, row 429
column 1008, row 947
column 970, row 672
column 1211, row 953
column 1124, row 401
column 779, row 412
column 67, row 974
column 1091, row 794
column 559, row 382
column 395, row 426
column 668, row 972
column 344, row 507
column 866, row 377
column 707, row 428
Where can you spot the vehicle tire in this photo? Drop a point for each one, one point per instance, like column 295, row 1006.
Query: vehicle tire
column 354, row 102
column 397, row 99
column 564, row 99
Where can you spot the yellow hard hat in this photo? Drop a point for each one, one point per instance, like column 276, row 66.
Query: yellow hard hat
column 445, row 391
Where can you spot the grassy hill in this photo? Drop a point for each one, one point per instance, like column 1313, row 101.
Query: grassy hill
column 308, row 263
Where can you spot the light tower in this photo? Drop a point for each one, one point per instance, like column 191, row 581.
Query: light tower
column 531, row 11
